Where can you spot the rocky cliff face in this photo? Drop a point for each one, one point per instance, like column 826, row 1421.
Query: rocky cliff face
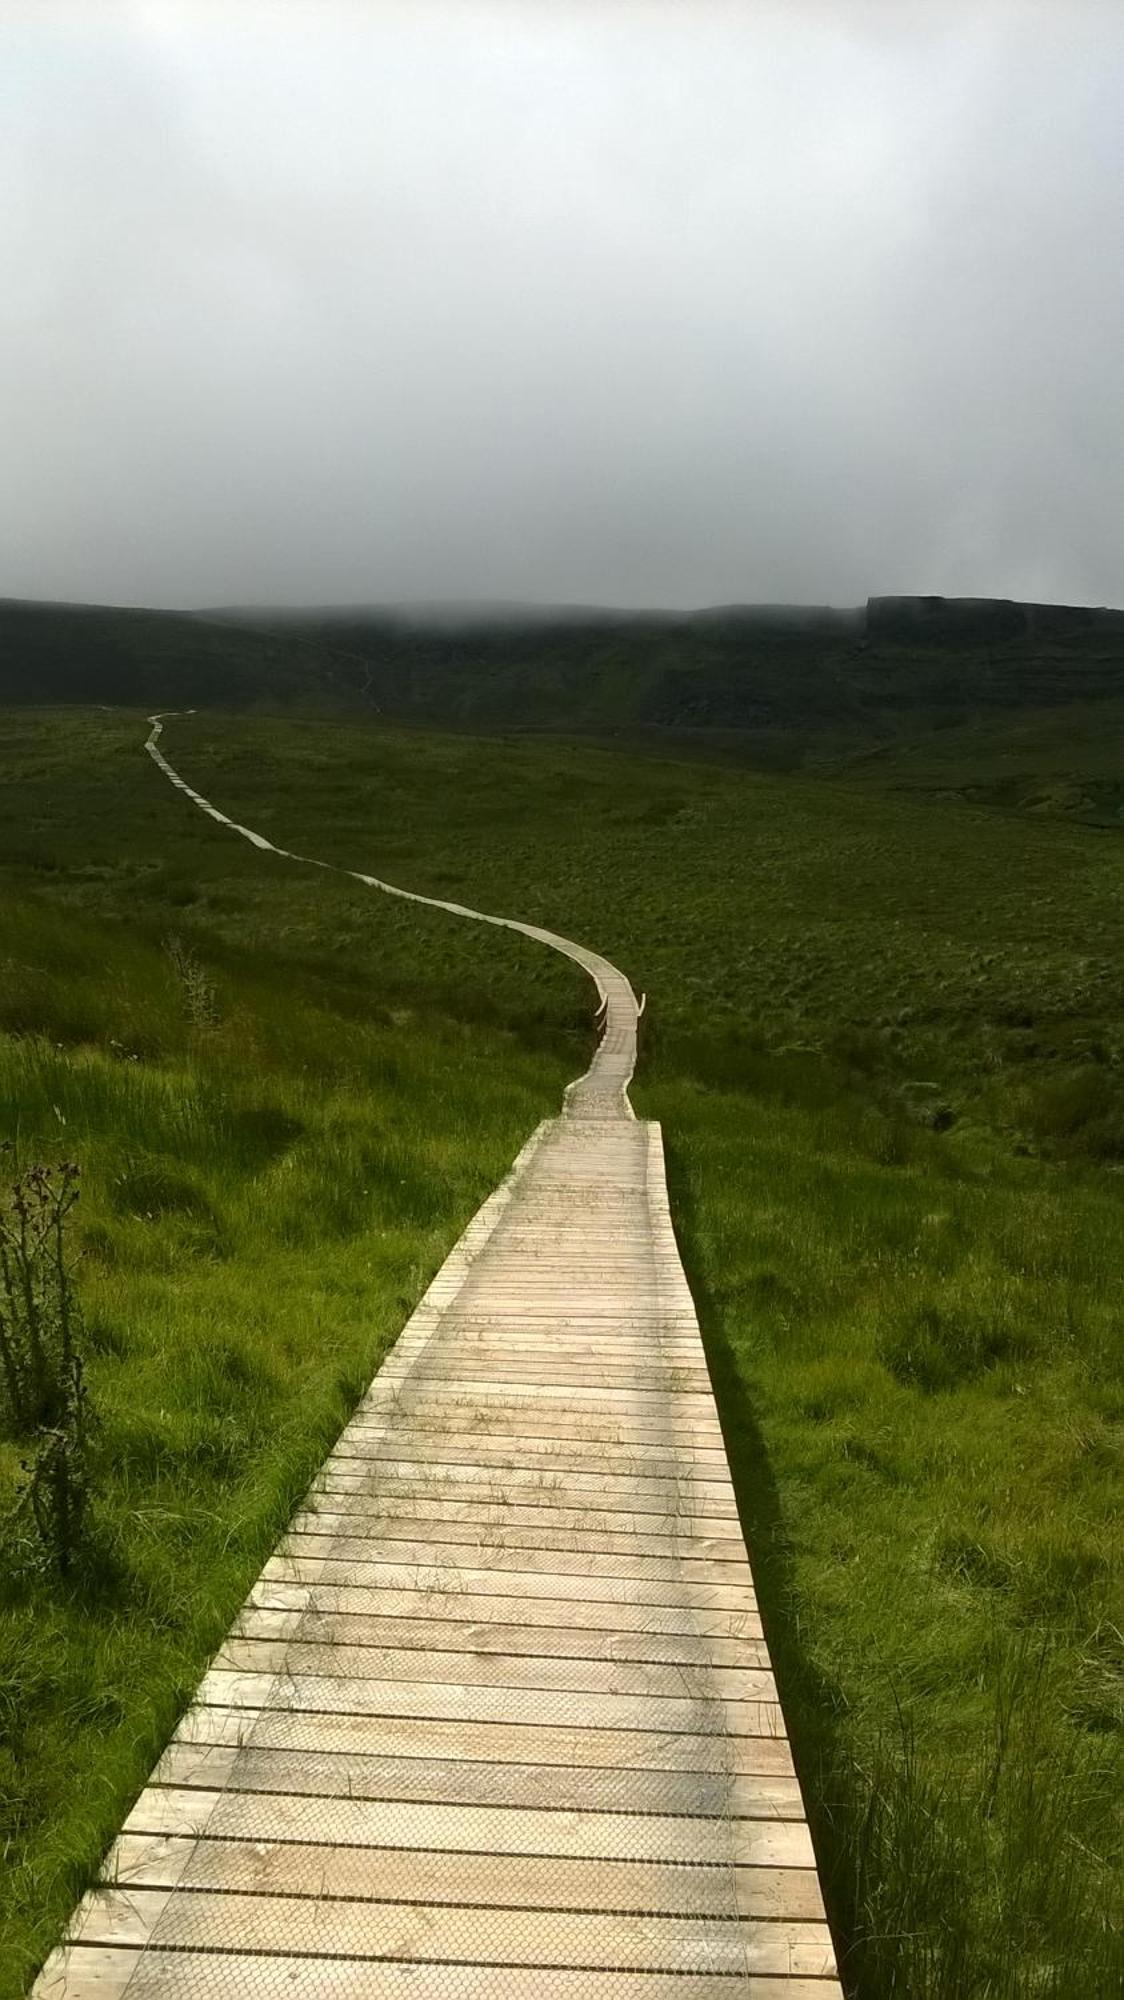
column 980, row 621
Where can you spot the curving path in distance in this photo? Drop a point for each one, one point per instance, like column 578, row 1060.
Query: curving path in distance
column 603, row 1090
column 497, row 1720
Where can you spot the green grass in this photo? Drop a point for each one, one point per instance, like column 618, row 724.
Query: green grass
column 1056, row 762
column 918, row 1364
column 264, row 1198
column 884, row 1035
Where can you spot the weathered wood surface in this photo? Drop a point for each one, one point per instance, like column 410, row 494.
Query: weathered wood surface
column 497, row 1719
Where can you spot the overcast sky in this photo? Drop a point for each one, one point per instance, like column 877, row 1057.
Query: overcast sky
column 653, row 304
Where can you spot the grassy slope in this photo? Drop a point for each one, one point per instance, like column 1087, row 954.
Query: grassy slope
column 885, row 1039
column 1055, row 762
column 107, row 653
column 783, row 690
column 266, row 1193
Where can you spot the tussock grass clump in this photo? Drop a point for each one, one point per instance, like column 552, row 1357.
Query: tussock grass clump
column 1005, row 1816
column 941, row 1346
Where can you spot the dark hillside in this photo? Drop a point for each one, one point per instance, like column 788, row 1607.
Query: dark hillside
column 794, row 681
column 82, row 653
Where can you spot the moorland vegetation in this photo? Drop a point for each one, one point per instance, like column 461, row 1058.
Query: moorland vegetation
column 779, row 686
column 885, row 1034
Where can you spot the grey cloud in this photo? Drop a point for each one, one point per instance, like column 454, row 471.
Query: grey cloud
column 635, row 304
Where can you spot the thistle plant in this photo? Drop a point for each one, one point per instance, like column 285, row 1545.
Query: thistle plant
column 41, row 1374
column 199, row 997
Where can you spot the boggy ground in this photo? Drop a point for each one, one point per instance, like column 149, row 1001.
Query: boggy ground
column 884, row 1034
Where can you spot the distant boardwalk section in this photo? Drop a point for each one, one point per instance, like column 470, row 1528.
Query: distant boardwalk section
column 497, row 1721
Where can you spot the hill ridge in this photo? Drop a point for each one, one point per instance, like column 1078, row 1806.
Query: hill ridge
column 794, row 680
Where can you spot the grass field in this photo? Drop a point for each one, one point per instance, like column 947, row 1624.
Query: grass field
column 283, row 1118
column 884, row 1034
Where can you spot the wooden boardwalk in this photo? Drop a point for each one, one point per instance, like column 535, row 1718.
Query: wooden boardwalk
column 497, row 1718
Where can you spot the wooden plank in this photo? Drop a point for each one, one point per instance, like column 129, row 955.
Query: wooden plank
column 551, row 1454
column 504, row 1534
column 516, row 1882
column 534, row 1479
column 442, row 1577
column 643, row 1405
column 102, row 1973
column 694, row 1793
column 586, row 1563
column 492, row 1416
column 496, row 1510
column 341, row 1928
column 439, row 1635
column 488, row 1742
column 573, row 1614
column 538, row 1672
column 330, row 1694
column 430, row 1638
column 592, row 1836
